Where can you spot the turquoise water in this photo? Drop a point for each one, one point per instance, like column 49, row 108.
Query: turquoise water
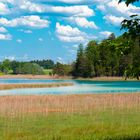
column 79, row 87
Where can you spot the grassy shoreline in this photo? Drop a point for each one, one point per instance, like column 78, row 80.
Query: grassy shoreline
column 34, row 85
column 70, row 117
column 63, row 77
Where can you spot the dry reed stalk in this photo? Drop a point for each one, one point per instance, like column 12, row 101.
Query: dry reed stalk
column 15, row 105
column 39, row 85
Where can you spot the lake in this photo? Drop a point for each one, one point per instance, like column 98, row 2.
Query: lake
column 79, row 87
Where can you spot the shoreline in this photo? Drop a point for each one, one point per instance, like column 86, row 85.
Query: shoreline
column 55, row 77
column 20, row 76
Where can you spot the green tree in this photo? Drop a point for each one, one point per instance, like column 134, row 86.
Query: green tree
column 128, row 1
column 62, row 69
column 29, row 68
column 92, row 54
column 81, row 68
column 112, row 37
column 132, row 27
column 6, row 66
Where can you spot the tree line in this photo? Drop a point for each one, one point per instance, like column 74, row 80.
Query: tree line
column 32, row 67
column 115, row 56
column 111, row 57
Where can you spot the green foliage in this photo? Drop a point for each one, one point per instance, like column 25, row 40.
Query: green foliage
column 112, row 57
column 128, row 1
column 14, row 67
column 46, row 64
column 112, row 37
column 48, row 71
column 92, row 54
column 132, row 26
column 62, row 69
column 30, row 68
column 82, row 66
column 5, row 66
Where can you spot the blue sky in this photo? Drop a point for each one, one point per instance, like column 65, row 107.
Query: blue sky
column 53, row 29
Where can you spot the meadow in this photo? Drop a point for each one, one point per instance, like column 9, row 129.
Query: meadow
column 70, row 117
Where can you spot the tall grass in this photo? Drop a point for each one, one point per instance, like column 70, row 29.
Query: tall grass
column 39, row 85
column 70, row 117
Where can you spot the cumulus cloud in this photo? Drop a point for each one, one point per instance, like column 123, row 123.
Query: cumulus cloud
column 5, row 37
column 83, row 22
column 115, row 12
column 11, row 58
column 19, row 40
column 69, row 34
column 30, row 21
column 40, row 39
column 4, row 9
column 121, row 9
column 114, row 19
column 80, row 10
column 25, row 31
column 34, row 7
column 68, row 30
column 73, row 1
column 3, row 30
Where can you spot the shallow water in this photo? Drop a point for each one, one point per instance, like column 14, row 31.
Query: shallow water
column 79, row 87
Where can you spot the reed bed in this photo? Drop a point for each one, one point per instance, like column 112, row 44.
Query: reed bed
column 38, row 85
column 70, row 117
column 68, row 103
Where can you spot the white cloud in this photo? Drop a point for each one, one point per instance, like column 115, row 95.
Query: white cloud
column 82, row 10
column 71, row 38
column 74, row 10
column 122, row 9
column 3, row 30
column 105, row 34
column 4, row 9
column 5, row 37
column 101, row 7
column 25, row 31
column 19, row 40
column 11, row 58
column 30, row 21
column 73, row 1
column 114, row 19
column 60, row 60
column 67, row 30
column 69, row 34
column 83, row 22
column 115, row 12
column 40, row 39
